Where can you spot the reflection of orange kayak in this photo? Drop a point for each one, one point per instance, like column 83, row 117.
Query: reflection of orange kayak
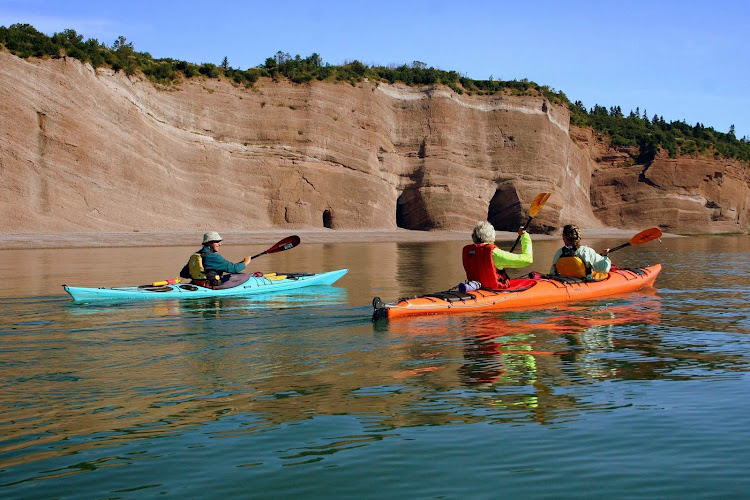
column 524, row 293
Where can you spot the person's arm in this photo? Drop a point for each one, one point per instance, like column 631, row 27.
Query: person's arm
column 502, row 259
column 598, row 263
column 218, row 263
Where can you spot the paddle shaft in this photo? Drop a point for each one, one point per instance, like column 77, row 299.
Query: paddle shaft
column 618, row 247
column 518, row 240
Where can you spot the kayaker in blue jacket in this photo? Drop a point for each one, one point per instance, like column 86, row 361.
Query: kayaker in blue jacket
column 207, row 264
column 579, row 261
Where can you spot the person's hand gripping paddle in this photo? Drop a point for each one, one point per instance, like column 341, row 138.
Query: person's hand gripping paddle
column 534, row 209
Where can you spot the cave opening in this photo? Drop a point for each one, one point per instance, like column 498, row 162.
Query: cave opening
column 327, row 219
column 411, row 212
column 504, row 211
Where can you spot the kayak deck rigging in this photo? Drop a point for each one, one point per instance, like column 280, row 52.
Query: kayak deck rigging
column 537, row 290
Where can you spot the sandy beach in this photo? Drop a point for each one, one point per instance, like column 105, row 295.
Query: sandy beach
column 11, row 241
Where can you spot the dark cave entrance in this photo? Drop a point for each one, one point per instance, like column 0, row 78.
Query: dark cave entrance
column 504, row 212
column 327, row 219
column 411, row 212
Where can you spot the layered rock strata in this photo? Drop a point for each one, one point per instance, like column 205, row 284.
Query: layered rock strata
column 93, row 150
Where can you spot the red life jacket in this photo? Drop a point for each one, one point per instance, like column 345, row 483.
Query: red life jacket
column 479, row 267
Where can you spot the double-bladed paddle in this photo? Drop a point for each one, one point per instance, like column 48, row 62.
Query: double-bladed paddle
column 285, row 244
column 534, row 209
column 640, row 238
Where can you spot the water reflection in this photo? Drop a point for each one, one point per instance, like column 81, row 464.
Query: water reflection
column 422, row 268
column 173, row 365
column 87, row 386
column 517, row 358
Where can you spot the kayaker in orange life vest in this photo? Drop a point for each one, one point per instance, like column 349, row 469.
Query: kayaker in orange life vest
column 579, row 261
column 484, row 262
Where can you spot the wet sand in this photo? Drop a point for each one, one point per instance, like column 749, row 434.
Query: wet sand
column 187, row 238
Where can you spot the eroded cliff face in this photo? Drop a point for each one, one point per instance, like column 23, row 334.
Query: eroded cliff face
column 86, row 150
column 682, row 195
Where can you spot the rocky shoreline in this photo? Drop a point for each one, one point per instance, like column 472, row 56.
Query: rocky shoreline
column 190, row 238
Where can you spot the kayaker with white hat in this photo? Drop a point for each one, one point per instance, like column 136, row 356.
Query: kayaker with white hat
column 206, row 266
column 485, row 263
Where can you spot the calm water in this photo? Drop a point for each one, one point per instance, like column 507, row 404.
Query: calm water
column 301, row 395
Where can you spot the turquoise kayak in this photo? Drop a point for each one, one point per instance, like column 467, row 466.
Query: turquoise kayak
column 234, row 286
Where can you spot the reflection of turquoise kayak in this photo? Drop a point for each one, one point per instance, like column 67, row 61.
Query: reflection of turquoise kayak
column 236, row 285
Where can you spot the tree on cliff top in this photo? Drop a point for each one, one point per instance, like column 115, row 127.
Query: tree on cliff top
column 645, row 135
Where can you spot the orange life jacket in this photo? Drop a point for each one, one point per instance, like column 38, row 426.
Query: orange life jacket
column 479, row 266
column 569, row 264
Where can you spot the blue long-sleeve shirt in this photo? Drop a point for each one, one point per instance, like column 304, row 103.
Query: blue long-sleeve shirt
column 213, row 261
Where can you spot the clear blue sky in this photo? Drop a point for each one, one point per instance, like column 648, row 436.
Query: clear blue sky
column 683, row 60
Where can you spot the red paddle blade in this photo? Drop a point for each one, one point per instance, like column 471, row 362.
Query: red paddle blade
column 646, row 236
column 285, row 244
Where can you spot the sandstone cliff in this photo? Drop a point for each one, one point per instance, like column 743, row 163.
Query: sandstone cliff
column 93, row 150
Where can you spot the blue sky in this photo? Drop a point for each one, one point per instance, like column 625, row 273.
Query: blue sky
column 683, row 60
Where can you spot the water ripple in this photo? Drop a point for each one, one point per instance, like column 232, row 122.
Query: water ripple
column 303, row 395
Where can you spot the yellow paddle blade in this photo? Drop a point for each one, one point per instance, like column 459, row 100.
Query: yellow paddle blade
column 538, row 203
column 534, row 209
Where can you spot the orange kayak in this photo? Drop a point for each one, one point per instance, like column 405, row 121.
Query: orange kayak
column 523, row 293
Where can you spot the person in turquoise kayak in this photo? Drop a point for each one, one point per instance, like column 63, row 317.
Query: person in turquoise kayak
column 579, row 261
column 206, row 266
column 485, row 263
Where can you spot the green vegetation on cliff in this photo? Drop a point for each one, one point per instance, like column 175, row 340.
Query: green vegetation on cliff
column 642, row 136
column 650, row 135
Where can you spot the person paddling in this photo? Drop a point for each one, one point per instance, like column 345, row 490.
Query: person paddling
column 579, row 261
column 206, row 266
column 485, row 263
